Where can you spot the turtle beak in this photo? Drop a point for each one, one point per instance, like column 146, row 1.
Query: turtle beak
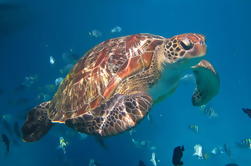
column 199, row 50
column 201, row 47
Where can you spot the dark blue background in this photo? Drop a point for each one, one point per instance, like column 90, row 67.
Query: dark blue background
column 41, row 29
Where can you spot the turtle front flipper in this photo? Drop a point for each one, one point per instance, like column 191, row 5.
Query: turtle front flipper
column 118, row 114
column 207, row 83
column 37, row 123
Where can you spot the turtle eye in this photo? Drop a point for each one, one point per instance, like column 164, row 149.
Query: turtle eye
column 186, row 44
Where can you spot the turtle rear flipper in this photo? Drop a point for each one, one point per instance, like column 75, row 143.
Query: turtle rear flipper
column 207, row 83
column 120, row 113
column 37, row 123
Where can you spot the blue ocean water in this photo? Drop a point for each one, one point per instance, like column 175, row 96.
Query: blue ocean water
column 33, row 31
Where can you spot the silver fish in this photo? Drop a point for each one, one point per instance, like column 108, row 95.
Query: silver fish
column 245, row 143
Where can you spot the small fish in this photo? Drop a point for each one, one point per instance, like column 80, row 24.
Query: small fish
column 63, row 144
column 177, row 156
column 198, row 151
column 231, row 164
column 95, row 33
column 58, row 81
column 141, row 163
column 227, row 150
column 209, row 111
column 52, row 60
column 154, row 160
column 6, row 141
column 131, row 132
column 245, row 143
column 217, row 150
column 116, row 29
column 140, row 143
column 247, row 111
column 150, row 118
column 92, row 162
column 16, row 129
column 30, row 80
column 194, row 128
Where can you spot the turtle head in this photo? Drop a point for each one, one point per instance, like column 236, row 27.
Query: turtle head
column 185, row 48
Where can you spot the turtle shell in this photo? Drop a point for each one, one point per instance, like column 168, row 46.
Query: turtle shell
column 98, row 75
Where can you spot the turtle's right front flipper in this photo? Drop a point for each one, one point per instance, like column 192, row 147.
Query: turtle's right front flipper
column 37, row 123
column 207, row 83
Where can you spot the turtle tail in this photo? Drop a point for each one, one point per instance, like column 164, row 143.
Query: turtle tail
column 37, row 123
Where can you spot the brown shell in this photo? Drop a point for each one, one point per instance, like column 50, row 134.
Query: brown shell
column 101, row 74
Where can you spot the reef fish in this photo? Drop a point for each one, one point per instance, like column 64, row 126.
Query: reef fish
column 177, row 156
column 141, row 163
column 232, row 164
column 247, row 111
column 245, row 143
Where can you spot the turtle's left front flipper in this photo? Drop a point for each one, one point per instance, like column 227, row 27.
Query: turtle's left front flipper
column 207, row 83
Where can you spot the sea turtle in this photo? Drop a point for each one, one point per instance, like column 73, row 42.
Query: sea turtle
column 115, row 84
